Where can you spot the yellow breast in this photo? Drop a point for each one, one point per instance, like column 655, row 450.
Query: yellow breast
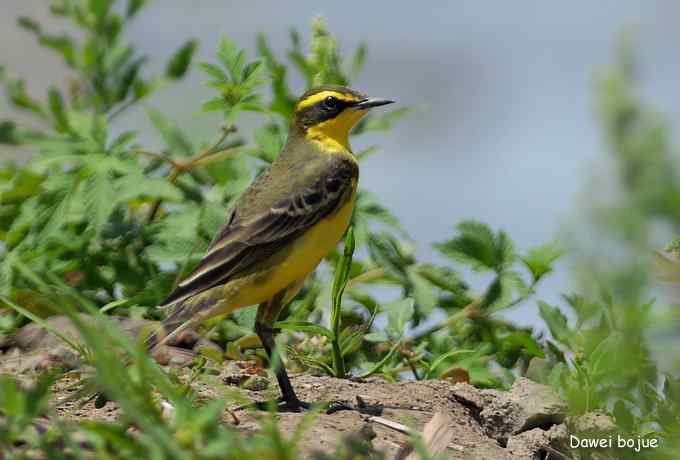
column 301, row 258
column 317, row 242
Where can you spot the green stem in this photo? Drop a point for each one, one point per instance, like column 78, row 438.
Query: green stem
column 339, row 284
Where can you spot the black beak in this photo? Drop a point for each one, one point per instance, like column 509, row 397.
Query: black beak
column 371, row 102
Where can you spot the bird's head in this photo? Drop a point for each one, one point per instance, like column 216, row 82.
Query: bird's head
column 328, row 113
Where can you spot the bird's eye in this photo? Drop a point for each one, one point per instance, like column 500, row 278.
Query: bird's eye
column 330, row 103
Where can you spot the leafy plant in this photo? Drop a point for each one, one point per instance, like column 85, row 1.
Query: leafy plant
column 96, row 223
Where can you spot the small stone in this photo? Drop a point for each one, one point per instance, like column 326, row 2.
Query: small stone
column 530, row 444
column 256, row 383
column 234, row 379
column 502, row 414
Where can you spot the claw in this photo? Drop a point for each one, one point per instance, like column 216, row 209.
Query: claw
column 280, row 405
column 361, row 406
column 332, row 407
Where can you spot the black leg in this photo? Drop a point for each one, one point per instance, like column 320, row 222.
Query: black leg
column 289, row 398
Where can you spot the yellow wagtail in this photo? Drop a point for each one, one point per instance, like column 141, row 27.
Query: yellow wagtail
column 278, row 231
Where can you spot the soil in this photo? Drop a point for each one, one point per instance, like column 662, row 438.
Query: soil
column 458, row 420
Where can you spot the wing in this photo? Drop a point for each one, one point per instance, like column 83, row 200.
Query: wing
column 244, row 242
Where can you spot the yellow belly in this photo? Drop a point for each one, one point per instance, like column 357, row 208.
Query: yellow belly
column 301, row 258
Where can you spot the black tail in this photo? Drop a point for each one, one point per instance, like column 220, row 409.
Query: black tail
column 168, row 326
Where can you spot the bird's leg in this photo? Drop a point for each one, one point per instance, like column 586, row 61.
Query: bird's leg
column 267, row 313
column 288, row 397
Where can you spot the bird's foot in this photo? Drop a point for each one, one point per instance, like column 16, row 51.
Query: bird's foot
column 280, row 405
column 361, row 406
column 295, row 405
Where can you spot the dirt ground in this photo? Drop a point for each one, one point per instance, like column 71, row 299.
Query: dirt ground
column 457, row 420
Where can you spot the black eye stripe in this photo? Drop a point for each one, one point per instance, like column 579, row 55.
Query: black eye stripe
column 320, row 111
column 334, row 103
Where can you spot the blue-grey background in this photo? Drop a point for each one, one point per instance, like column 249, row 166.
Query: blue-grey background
column 510, row 136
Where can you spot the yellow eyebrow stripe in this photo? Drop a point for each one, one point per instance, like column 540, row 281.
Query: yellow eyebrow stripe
column 318, row 97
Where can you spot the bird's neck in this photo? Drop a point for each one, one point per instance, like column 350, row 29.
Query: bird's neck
column 329, row 138
column 331, row 135
column 304, row 147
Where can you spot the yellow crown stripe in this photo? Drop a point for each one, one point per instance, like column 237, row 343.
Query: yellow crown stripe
column 318, row 97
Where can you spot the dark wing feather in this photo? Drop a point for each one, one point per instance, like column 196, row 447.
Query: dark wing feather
column 245, row 242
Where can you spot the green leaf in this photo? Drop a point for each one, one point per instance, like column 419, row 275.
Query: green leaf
column 387, row 253
column 133, row 7
column 515, row 345
column 399, row 313
column 368, row 207
column 137, row 186
column 673, row 247
column 173, row 250
column 62, row 44
column 269, row 140
column 231, row 56
column 477, row 246
column 341, row 277
column 237, row 85
column 100, row 8
column 128, row 79
column 376, row 337
column 100, row 198
column 251, row 73
column 180, row 61
column 8, row 133
column 19, row 97
column 245, row 317
column 539, row 260
column 424, row 293
column 21, row 225
column 24, row 184
column 60, row 211
column 304, row 326
column 439, row 360
column 310, row 361
column 56, row 104
column 121, row 143
column 284, row 101
column 444, row 278
column 380, row 364
column 213, row 70
column 493, row 292
column 584, row 309
column 364, row 299
column 176, row 237
column 602, row 360
column 215, row 105
column 29, row 24
column 556, row 322
column 175, row 139
column 351, row 338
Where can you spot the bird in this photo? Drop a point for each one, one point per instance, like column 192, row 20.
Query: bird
column 281, row 227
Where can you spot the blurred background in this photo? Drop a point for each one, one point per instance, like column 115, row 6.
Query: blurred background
column 508, row 134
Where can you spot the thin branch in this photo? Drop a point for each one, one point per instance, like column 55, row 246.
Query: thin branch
column 201, row 158
column 157, row 156
column 213, row 149
column 470, row 310
column 461, row 314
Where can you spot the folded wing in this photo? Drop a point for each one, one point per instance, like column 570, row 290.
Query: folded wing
column 244, row 242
